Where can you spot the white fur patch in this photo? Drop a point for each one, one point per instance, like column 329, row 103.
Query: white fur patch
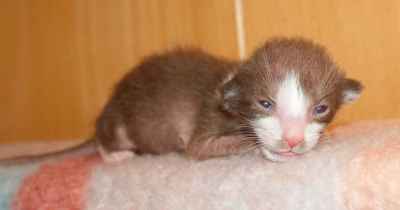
column 268, row 128
column 291, row 100
column 312, row 134
column 270, row 133
column 313, row 130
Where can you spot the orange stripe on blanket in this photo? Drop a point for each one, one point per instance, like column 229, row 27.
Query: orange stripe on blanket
column 59, row 185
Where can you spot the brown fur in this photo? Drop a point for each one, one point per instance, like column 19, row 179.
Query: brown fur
column 188, row 101
column 168, row 103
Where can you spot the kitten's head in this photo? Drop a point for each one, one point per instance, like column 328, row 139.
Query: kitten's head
column 286, row 93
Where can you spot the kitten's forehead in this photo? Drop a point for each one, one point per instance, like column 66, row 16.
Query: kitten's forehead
column 292, row 101
column 315, row 70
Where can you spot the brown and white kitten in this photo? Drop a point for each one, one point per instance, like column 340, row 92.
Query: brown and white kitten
column 279, row 100
column 296, row 91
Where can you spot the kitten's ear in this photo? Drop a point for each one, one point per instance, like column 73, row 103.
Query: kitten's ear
column 351, row 90
column 230, row 94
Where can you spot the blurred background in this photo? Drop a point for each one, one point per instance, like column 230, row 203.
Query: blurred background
column 60, row 59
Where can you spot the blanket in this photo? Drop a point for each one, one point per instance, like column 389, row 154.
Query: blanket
column 357, row 168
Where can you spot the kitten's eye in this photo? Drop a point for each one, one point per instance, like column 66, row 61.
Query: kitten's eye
column 266, row 104
column 321, row 109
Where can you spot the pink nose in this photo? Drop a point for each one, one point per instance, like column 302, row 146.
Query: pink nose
column 293, row 131
column 294, row 141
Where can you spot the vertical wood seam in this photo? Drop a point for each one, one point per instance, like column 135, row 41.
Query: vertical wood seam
column 240, row 33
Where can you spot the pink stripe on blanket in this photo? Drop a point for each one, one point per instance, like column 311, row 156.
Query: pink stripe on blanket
column 59, row 185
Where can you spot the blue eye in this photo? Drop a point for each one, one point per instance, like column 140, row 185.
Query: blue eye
column 266, row 104
column 321, row 109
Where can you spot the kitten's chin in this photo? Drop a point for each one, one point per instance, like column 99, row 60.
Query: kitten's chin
column 278, row 157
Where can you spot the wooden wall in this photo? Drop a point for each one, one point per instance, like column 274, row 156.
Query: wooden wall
column 59, row 59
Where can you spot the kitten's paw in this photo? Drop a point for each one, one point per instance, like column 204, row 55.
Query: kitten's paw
column 116, row 156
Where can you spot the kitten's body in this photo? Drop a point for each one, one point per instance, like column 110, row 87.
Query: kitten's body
column 170, row 102
column 192, row 102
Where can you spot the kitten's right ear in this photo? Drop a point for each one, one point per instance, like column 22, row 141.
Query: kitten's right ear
column 351, row 90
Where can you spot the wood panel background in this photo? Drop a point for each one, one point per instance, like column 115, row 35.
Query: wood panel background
column 60, row 59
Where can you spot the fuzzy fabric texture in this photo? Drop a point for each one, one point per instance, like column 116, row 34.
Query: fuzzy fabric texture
column 358, row 168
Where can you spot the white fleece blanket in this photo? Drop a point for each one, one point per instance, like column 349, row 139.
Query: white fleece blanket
column 358, row 168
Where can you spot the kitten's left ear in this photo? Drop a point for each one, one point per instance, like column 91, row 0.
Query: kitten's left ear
column 351, row 90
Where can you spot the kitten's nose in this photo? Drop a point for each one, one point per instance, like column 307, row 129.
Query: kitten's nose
column 294, row 140
column 294, row 137
column 293, row 131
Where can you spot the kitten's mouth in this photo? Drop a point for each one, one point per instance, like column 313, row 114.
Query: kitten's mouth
column 288, row 154
column 280, row 155
column 284, row 152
